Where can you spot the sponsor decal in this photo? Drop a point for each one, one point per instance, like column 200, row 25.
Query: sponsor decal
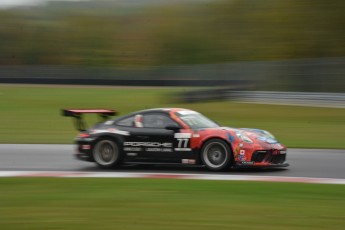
column 187, row 112
column 242, row 156
column 148, row 144
column 153, row 149
column 183, row 141
column 183, row 149
column 196, row 135
column 182, row 135
column 230, row 137
column 110, row 130
column 237, row 150
column 166, row 150
column 132, row 154
column 134, row 149
column 247, row 162
column 192, row 161
column 188, row 161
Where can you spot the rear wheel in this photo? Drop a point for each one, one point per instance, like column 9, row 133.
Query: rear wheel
column 106, row 153
column 216, row 154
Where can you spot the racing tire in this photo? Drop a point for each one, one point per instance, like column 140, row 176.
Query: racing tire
column 216, row 155
column 106, row 154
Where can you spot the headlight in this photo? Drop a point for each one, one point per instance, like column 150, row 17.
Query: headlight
column 244, row 138
column 269, row 134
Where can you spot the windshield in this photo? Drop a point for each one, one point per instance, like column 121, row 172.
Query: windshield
column 196, row 120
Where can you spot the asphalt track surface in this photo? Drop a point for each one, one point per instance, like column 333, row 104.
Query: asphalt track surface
column 317, row 163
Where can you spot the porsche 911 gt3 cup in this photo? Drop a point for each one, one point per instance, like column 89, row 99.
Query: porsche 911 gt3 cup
column 173, row 136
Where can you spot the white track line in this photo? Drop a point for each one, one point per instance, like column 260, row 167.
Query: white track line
column 71, row 174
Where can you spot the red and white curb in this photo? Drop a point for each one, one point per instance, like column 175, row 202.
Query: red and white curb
column 71, row 174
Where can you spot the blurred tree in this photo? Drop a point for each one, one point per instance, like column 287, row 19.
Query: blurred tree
column 79, row 33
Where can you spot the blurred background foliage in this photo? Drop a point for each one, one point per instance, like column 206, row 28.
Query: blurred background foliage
column 107, row 33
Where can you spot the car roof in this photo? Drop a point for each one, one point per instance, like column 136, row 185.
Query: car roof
column 166, row 110
column 160, row 110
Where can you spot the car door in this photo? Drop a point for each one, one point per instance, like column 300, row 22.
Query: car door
column 133, row 145
column 150, row 141
column 161, row 142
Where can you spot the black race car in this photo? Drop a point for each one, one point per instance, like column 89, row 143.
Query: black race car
column 173, row 136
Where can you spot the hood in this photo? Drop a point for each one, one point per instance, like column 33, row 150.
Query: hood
column 259, row 134
column 254, row 134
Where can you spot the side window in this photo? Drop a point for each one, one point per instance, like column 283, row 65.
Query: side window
column 129, row 121
column 157, row 121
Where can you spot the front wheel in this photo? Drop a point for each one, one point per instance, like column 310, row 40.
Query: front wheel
column 106, row 153
column 216, row 154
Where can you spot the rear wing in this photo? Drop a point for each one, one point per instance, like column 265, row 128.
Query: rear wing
column 77, row 114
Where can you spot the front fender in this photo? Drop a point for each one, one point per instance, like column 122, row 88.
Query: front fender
column 204, row 135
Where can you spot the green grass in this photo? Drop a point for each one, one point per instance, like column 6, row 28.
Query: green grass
column 53, row 203
column 31, row 114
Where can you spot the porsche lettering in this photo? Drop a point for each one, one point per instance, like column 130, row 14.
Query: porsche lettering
column 148, row 144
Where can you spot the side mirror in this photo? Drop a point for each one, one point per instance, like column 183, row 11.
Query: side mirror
column 173, row 127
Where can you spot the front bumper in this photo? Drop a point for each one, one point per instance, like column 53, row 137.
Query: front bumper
column 251, row 164
column 265, row 158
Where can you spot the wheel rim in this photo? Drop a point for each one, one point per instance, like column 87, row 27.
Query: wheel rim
column 215, row 155
column 106, row 153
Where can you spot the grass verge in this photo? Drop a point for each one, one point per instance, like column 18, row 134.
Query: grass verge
column 32, row 114
column 66, row 203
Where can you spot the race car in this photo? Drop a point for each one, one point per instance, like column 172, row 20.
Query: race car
column 173, row 136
